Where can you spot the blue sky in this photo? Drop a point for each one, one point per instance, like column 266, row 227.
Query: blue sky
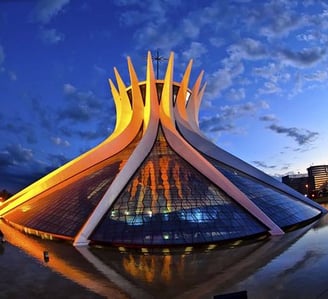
column 265, row 65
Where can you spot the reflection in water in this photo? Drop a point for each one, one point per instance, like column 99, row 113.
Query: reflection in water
column 65, row 260
column 288, row 266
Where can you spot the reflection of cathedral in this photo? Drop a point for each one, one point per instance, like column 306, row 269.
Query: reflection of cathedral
column 157, row 181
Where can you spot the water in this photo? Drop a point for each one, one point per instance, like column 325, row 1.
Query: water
column 289, row 266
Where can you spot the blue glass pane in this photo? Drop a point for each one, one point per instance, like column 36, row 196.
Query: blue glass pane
column 283, row 209
column 63, row 209
column 169, row 202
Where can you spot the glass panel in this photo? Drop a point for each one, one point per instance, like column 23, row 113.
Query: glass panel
column 283, row 209
column 169, row 202
column 63, row 209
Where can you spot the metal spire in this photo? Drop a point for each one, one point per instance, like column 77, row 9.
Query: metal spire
column 158, row 59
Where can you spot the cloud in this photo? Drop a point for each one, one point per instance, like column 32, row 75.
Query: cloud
column 5, row 160
column 16, row 177
column 303, row 58
column 190, row 28
column 280, row 19
column 272, row 72
column 319, row 76
column 236, row 94
column 167, row 40
column 60, row 141
column 217, row 41
column 226, row 118
column 215, row 124
column 302, row 137
column 15, row 126
column 57, row 160
column 145, row 12
column 269, row 88
column 16, row 154
column 247, row 48
column 44, row 115
column 307, row 37
column 82, row 106
column 268, row 117
column 51, row 36
column 69, row 89
column 45, row 10
column 195, row 51
column 264, row 165
column 222, row 79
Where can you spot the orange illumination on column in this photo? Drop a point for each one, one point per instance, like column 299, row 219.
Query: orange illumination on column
column 164, row 170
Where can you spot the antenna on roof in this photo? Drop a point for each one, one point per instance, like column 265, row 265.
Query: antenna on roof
column 158, row 59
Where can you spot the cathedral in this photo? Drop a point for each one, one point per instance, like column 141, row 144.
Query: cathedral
column 157, row 180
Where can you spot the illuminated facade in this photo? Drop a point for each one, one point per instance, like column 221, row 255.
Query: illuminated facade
column 318, row 181
column 157, row 180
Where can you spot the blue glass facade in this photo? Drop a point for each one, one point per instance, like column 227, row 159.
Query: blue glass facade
column 169, row 202
column 63, row 209
column 283, row 209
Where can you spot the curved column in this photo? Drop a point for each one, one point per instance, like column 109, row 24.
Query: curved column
column 187, row 152
column 187, row 122
column 150, row 127
column 128, row 124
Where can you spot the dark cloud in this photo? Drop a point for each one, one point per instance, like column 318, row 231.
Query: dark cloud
column 304, row 57
column 215, row 124
column 269, row 117
column 79, row 113
column 16, row 178
column 44, row 115
column 17, row 154
column 5, row 160
column 226, row 118
column 91, row 135
column 302, row 137
column 249, row 48
column 264, row 165
column 82, row 106
column 19, row 168
column 57, row 160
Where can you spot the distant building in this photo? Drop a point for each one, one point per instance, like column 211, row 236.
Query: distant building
column 318, row 181
column 298, row 182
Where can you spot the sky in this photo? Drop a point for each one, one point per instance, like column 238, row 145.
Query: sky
column 265, row 65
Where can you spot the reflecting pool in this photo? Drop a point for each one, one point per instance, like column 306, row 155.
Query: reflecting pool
column 289, row 266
